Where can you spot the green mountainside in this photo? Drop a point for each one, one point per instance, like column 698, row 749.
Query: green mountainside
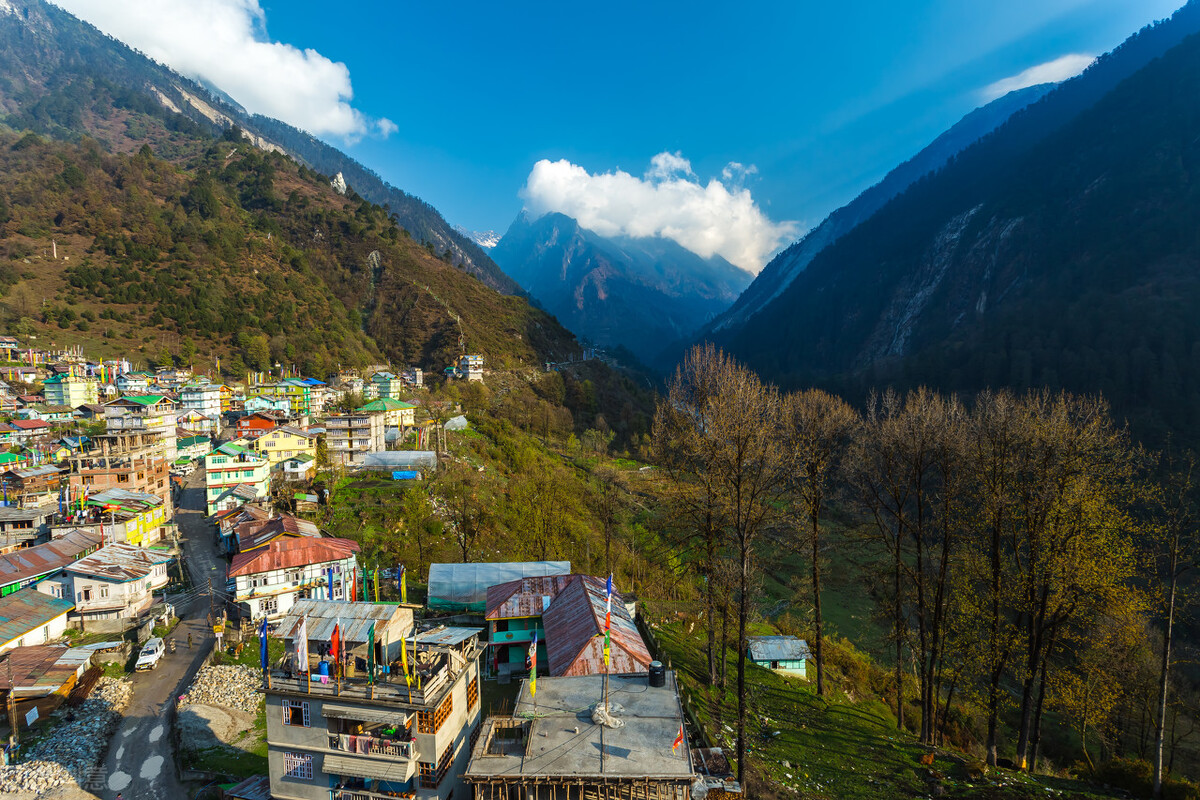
column 1072, row 263
column 62, row 77
column 244, row 253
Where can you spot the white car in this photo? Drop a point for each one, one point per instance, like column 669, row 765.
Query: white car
column 151, row 653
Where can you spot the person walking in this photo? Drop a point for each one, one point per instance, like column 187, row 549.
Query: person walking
column 189, row 640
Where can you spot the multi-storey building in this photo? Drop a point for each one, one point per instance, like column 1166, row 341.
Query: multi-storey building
column 471, row 367
column 348, row 738
column 112, row 587
column 296, row 391
column 202, row 397
column 144, row 414
column 117, row 515
column 285, row 442
column 268, row 580
column 349, row 437
column 135, row 384
column 127, row 459
column 70, row 390
column 233, row 476
column 396, row 413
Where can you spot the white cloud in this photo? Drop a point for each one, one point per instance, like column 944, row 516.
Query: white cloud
column 1059, row 69
column 225, row 42
column 669, row 201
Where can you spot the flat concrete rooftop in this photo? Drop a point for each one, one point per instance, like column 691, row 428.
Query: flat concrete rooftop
column 560, row 739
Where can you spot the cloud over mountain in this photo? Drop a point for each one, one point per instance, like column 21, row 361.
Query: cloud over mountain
column 1058, row 69
column 668, row 201
column 225, row 42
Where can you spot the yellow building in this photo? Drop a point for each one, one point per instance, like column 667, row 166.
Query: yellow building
column 283, row 443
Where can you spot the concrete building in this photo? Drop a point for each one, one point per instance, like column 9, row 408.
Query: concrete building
column 202, row 397
column 118, row 515
column 349, row 437
column 134, row 460
column 153, row 413
column 228, row 467
column 284, row 442
column 112, row 587
column 471, row 367
column 550, row 749
column 347, row 739
column 268, row 580
column 69, row 390
column 22, row 527
column 396, row 413
column 134, row 383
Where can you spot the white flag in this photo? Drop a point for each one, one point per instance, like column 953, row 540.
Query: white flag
column 302, row 644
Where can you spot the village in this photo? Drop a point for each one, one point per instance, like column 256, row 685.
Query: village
column 156, row 521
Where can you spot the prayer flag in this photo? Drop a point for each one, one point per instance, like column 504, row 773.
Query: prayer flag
column 404, row 662
column 533, row 666
column 400, row 576
column 678, row 739
column 371, row 653
column 334, row 642
column 262, row 645
column 377, row 584
column 302, row 644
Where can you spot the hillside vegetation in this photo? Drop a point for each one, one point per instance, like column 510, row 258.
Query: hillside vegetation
column 237, row 253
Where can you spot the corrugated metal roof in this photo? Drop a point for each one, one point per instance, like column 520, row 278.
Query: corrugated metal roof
column 289, row 553
column 42, row 666
column 120, row 562
column 257, row 533
column 447, row 637
column 43, row 558
column 14, row 514
column 778, row 648
column 574, row 626
column 466, row 585
column 25, row 473
column 257, row 787
column 524, row 597
column 26, row 610
column 355, row 619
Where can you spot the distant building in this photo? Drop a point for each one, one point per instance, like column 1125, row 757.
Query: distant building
column 130, row 459
column 396, row 413
column 471, row 367
column 204, row 398
column 69, row 390
column 464, row 587
column 152, row 413
column 784, row 654
column 414, row 377
column 350, row 437
column 134, row 383
column 230, row 468
column 118, row 515
column 280, row 444
column 29, row 565
column 558, row 746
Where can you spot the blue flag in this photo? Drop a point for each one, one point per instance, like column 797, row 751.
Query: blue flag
column 262, row 645
column 329, row 572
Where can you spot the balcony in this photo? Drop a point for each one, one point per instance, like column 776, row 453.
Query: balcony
column 373, row 746
column 364, row 794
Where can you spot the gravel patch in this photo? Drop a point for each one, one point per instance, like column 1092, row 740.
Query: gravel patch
column 70, row 753
column 234, row 687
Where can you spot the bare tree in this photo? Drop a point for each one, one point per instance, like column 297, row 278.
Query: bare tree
column 817, row 430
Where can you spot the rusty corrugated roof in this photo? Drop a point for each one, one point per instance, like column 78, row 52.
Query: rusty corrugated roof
column 43, row 558
column 26, row 610
column 289, row 553
column 574, row 626
column 120, row 562
column 524, row 597
column 42, row 666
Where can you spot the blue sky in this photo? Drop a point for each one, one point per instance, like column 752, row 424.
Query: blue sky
column 821, row 98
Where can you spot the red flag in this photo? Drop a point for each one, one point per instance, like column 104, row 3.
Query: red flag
column 678, row 739
column 333, row 647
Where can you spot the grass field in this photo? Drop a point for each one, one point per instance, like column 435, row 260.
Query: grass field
column 804, row 746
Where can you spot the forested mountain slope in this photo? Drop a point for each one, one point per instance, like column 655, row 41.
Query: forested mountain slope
column 61, row 77
column 244, row 253
column 1071, row 263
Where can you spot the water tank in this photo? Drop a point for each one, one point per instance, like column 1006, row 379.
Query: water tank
column 323, row 668
column 658, row 675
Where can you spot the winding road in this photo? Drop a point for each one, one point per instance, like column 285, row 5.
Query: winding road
column 140, row 763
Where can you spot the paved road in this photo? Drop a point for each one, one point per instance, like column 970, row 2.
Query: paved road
column 140, row 763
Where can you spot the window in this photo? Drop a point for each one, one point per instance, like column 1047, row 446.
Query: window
column 298, row 765
column 431, row 721
column 432, row 774
column 294, row 577
column 103, row 592
column 269, row 605
column 295, row 712
column 86, row 594
column 472, row 693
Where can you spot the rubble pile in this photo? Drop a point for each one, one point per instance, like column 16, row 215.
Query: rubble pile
column 233, row 687
column 74, row 744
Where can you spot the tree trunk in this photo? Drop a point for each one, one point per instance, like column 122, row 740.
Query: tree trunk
column 818, row 632
column 1165, row 674
column 1037, row 714
column 743, row 612
column 898, row 631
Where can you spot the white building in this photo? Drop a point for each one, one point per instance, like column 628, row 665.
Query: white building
column 471, row 367
column 113, row 585
column 202, row 397
column 29, row 617
column 268, row 580
column 234, row 476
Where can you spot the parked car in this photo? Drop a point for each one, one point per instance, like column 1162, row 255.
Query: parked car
column 152, row 652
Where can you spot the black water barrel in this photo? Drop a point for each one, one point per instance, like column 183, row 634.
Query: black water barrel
column 658, row 675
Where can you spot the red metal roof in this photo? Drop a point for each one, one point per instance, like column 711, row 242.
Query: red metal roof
column 524, row 596
column 43, row 558
column 289, row 553
column 574, row 627
column 30, row 424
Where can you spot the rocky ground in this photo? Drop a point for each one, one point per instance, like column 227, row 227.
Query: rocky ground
column 68, row 753
column 220, row 708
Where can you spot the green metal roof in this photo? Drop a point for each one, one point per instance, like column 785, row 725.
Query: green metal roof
column 386, row 404
column 146, row 399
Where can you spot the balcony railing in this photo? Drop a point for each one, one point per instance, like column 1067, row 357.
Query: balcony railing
column 387, row 748
column 364, row 794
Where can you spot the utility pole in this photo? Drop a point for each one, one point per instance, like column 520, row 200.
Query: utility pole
column 15, row 737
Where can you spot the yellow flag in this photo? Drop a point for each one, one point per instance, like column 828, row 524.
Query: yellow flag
column 404, row 662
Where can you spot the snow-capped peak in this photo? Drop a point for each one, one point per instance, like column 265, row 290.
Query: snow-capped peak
column 485, row 239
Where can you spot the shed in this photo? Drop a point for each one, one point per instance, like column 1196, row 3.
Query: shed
column 786, row 654
column 464, row 587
